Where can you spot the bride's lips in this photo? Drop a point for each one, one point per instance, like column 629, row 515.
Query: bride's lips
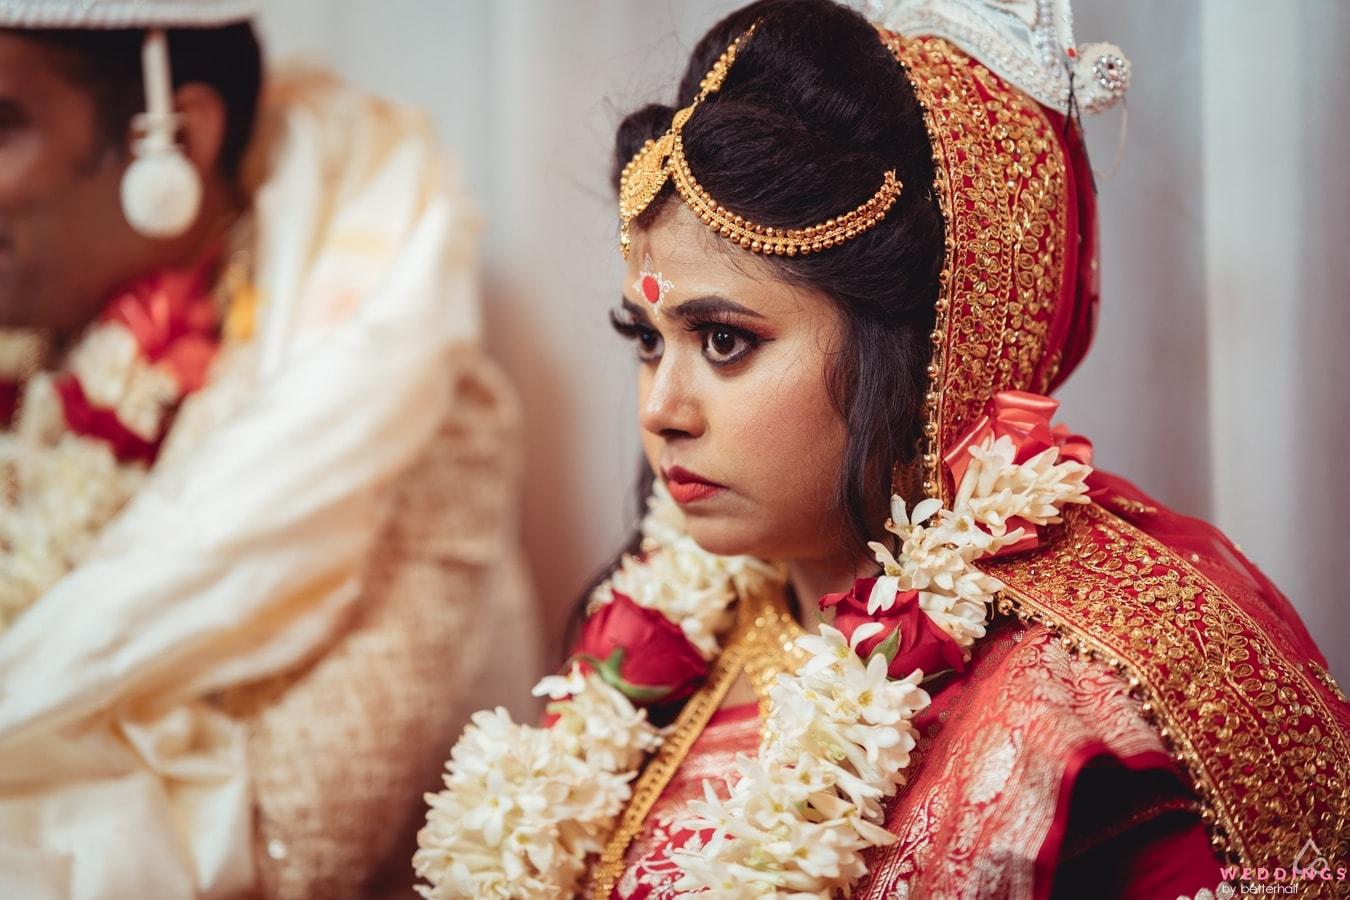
column 688, row 487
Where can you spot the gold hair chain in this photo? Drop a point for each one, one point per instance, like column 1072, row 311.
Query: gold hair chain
column 663, row 158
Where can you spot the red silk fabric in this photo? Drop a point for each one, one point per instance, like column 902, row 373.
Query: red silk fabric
column 1218, row 654
column 1147, row 829
column 650, row 873
column 1075, row 321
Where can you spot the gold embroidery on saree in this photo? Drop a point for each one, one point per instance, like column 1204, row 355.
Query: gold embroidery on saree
column 1265, row 752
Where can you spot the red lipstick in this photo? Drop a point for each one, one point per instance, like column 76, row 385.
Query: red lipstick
column 688, row 487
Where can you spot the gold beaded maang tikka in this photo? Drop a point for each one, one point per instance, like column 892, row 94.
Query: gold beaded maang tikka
column 662, row 158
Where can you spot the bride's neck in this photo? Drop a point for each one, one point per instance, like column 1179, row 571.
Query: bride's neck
column 812, row 579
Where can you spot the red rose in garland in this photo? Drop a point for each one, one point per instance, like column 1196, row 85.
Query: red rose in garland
column 639, row 652
column 172, row 318
column 910, row 638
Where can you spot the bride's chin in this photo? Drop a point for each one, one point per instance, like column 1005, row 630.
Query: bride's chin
column 727, row 536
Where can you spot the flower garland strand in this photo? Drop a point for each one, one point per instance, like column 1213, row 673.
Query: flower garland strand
column 81, row 439
column 800, row 815
column 524, row 808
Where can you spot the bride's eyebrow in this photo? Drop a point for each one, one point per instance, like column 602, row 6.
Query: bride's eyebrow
column 703, row 307
column 639, row 314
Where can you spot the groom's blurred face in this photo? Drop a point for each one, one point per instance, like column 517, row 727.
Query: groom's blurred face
column 64, row 244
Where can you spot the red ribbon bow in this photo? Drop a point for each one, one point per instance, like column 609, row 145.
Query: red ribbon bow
column 1024, row 418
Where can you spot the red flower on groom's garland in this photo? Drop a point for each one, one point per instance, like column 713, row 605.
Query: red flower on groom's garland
column 174, row 321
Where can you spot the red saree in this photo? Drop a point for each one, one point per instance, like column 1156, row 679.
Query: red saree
column 650, row 873
column 1234, row 690
column 1044, row 775
column 1023, row 701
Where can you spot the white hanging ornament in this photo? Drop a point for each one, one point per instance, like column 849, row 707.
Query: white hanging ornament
column 161, row 193
column 1101, row 76
column 161, row 190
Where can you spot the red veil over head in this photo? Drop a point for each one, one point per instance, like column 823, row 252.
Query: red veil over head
column 1227, row 673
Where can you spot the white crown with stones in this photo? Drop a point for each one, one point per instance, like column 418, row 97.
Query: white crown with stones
column 1028, row 43
column 94, row 14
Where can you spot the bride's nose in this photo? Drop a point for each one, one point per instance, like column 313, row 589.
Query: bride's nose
column 672, row 407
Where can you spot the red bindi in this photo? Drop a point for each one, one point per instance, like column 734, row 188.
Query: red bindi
column 651, row 289
column 650, row 284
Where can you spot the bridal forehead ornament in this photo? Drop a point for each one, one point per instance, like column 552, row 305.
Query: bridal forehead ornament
column 663, row 159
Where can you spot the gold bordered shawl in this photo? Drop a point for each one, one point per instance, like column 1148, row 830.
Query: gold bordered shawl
column 1257, row 725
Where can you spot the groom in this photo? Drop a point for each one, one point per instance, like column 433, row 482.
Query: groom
column 259, row 476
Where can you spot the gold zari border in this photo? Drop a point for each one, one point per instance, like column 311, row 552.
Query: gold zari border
column 999, row 177
column 1261, row 741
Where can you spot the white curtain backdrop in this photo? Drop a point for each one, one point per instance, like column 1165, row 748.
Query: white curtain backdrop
column 1219, row 378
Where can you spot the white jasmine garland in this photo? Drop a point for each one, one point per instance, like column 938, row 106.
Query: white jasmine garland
column 682, row 581
column 109, row 367
column 938, row 547
column 799, row 816
column 64, row 487
column 524, row 808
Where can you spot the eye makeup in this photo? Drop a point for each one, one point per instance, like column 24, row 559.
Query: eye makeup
column 729, row 332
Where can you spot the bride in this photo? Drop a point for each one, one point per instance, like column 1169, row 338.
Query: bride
column 886, row 631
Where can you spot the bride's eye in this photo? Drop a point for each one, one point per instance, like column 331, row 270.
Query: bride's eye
column 649, row 342
column 725, row 344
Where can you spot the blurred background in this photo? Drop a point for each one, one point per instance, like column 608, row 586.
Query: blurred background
column 1219, row 377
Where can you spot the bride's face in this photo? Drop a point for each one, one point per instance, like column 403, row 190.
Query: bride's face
column 733, row 403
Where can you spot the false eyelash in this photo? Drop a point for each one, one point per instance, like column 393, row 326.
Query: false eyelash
column 625, row 325
column 628, row 327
